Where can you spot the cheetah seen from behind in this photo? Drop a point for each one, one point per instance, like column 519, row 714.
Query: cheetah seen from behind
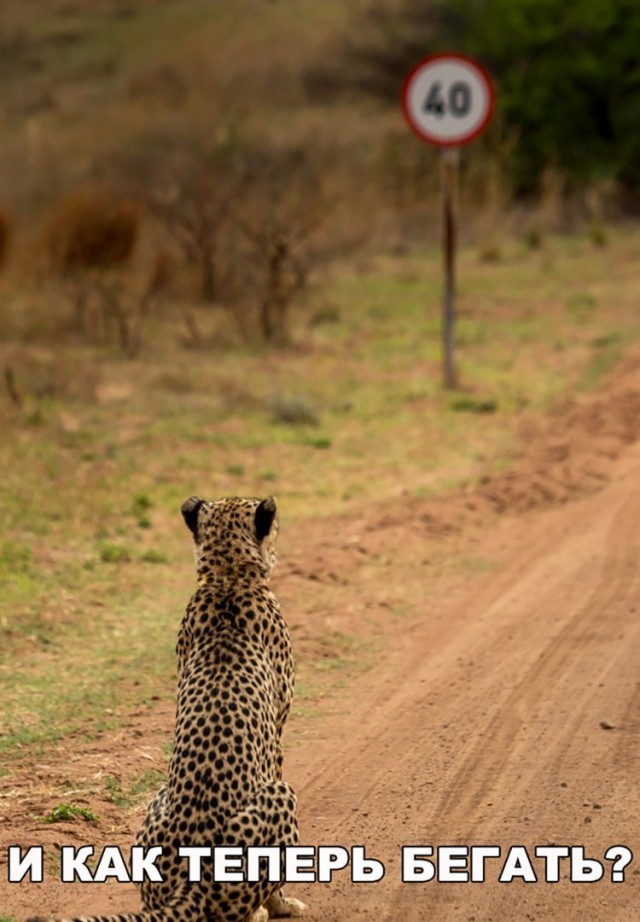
column 235, row 684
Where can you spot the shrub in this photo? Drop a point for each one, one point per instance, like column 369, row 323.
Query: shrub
column 153, row 556
column 189, row 182
column 294, row 411
column 114, row 553
column 87, row 231
column 468, row 403
column 566, row 78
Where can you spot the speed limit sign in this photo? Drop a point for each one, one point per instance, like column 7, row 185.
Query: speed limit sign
column 448, row 99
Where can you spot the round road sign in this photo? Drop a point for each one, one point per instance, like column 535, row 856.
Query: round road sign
column 448, row 99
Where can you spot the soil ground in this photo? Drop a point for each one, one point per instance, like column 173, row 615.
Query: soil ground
column 498, row 701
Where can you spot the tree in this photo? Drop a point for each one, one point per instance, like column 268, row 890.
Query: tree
column 189, row 179
column 568, row 75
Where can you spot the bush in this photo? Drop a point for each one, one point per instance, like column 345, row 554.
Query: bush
column 567, row 80
column 114, row 553
column 189, row 182
column 89, row 240
column 468, row 403
column 242, row 211
column 293, row 411
column 87, row 231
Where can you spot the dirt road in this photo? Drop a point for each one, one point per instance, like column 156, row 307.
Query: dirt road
column 502, row 709
column 505, row 716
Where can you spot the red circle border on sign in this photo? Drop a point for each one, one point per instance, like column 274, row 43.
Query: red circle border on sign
column 457, row 56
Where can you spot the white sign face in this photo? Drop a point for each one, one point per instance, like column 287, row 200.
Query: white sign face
column 448, row 99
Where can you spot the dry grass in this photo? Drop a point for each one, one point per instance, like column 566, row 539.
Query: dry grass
column 94, row 475
column 100, row 452
column 103, row 102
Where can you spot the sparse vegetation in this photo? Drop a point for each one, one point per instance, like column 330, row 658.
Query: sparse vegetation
column 331, row 395
column 470, row 403
column 533, row 237
column 221, row 275
column 190, row 185
column 524, row 45
column 114, row 553
column 350, row 418
column 65, row 813
column 294, row 410
column 136, row 792
column 153, row 556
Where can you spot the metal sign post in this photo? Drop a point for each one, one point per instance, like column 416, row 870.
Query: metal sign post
column 450, row 163
column 448, row 100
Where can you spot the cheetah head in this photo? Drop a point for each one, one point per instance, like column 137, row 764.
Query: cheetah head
column 230, row 534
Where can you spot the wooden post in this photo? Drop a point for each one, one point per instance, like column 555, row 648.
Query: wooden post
column 449, row 181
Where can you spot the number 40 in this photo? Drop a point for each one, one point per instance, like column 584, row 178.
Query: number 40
column 458, row 101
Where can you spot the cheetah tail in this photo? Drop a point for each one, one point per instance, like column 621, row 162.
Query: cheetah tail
column 144, row 916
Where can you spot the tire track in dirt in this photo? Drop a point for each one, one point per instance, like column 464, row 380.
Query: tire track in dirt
column 459, row 741
column 381, row 713
column 380, row 709
column 479, row 722
column 480, row 771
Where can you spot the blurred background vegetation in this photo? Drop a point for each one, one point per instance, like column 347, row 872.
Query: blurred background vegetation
column 236, row 149
column 220, row 274
column 567, row 74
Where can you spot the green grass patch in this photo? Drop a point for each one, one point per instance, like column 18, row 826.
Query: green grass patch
column 606, row 340
column 469, row 403
column 140, row 790
column 141, row 503
column 153, row 556
column 319, row 442
column 581, row 306
column 114, row 553
column 600, row 365
column 67, row 813
column 15, row 558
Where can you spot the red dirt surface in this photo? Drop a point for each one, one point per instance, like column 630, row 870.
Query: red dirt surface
column 500, row 706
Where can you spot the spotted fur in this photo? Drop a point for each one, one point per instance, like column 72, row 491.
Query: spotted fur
column 235, row 684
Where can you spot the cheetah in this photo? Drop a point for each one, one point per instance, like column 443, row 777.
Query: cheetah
column 235, row 684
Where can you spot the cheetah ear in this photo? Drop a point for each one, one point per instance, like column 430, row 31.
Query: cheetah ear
column 189, row 510
column 265, row 514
